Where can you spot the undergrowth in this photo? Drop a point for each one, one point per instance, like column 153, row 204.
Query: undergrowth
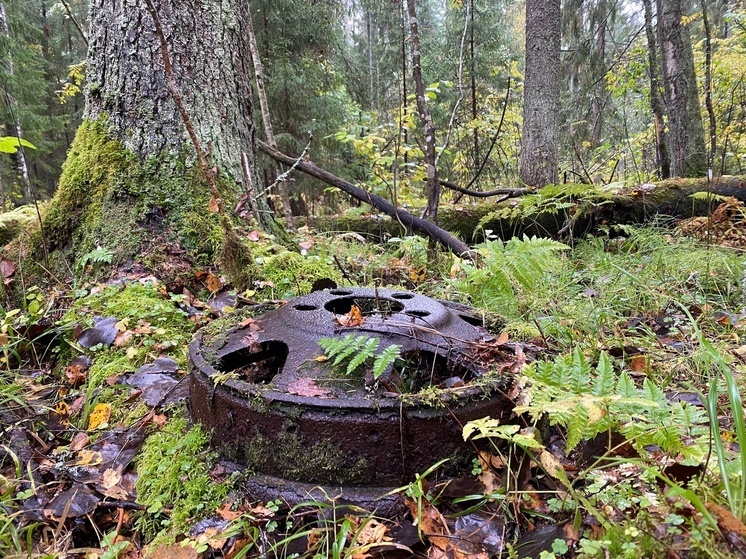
column 173, row 474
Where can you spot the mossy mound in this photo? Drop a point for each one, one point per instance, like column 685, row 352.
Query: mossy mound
column 110, row 200
column 15, row 221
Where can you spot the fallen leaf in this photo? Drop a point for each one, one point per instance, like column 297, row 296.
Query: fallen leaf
column 254, row 235
column 79, row 441
column 305, row 246
column 502, row 339
column 76, row 375
column 306, row 387
column 638, row 363
column 99, row 416
column 352, row 319
column 7, row 270
column 88, row 458
column 214, row 204
column 111, row 478
column 432, row 524
column 213, row 283
column 174, row 551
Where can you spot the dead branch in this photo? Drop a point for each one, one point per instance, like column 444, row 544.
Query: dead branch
column 458, row 247
column 508, row 192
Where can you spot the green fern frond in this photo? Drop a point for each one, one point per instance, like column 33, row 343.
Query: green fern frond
column 367, row 351
column 385, row 358
column 359, row 350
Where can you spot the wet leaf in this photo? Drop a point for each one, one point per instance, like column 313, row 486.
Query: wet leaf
column 103, row 332
column 7, row 270
column 99, row 416
column 88, row 458
column 75, row 502
column 432, row 524
column 352, row 319
column 638, row 363
column 307, row 387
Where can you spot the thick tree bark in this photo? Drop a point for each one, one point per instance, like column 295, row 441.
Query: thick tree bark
column 210, row 57
column 656, row 98
column 433, row 186
column 686, row 138
column 541, row 97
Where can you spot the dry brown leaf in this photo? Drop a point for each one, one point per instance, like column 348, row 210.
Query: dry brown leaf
column 254, row 236
column 122, row 338
column 79, row 441
column 214, row 204
column 502, row 339
column 352, row 319
column 306, row 387
column 638, row 363
column 430, row 521
column 373, row 532
column 213, row 283
column 76, row 375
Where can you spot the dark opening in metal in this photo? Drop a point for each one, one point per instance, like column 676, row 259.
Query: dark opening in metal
column 367, row 305
column 257, row 365
column 473, row 320
column 417, row 370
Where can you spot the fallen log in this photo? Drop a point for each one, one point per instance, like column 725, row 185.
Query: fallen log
column 408, row 220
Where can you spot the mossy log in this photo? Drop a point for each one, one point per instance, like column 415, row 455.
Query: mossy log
column 17, row 220
column 469, row 221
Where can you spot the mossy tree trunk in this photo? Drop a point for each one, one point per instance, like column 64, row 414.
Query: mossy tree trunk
column 133, row 164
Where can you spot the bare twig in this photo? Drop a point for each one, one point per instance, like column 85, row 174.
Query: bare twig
column 75, row 21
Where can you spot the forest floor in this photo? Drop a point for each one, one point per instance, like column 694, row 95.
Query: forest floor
column 610, row 451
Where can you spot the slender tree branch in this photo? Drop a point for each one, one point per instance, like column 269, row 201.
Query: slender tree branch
column 201, row 156
column 75, row 21
column 509, row 192
column 442, row 236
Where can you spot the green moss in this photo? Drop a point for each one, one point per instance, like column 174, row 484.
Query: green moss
column 291, row 458
column 291, row 274
column 173, row 473
column 109, row 198
column 20, row 219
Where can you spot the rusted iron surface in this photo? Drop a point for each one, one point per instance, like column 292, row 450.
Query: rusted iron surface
column 345, row 432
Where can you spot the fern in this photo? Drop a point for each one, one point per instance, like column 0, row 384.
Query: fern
column 359, row 350
column 587, row 401
column 508, row 270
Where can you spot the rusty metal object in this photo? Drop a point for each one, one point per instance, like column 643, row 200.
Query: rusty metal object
column 345, row 431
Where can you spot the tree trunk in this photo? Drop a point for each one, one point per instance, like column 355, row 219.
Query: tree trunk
column 432, row 188
column 656, row 99
column 266, row 120
column 210, row 58
column 541, row 94
column 686, row 137
column 20, row 156
column 130, row 180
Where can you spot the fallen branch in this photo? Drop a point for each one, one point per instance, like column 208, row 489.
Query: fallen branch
column 507, row 192
column 442, row 236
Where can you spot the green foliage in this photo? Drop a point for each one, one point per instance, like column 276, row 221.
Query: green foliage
column 524, row 270
column 16, row 221
column 587, row 401
column 561, row 199
column 358, row 350
column 10, row 144
column 173, row 473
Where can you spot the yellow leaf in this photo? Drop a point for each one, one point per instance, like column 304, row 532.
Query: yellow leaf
column 550, row 464
column 131, row 352
column 322, row 358
column 99, row 416
column 88, row 458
